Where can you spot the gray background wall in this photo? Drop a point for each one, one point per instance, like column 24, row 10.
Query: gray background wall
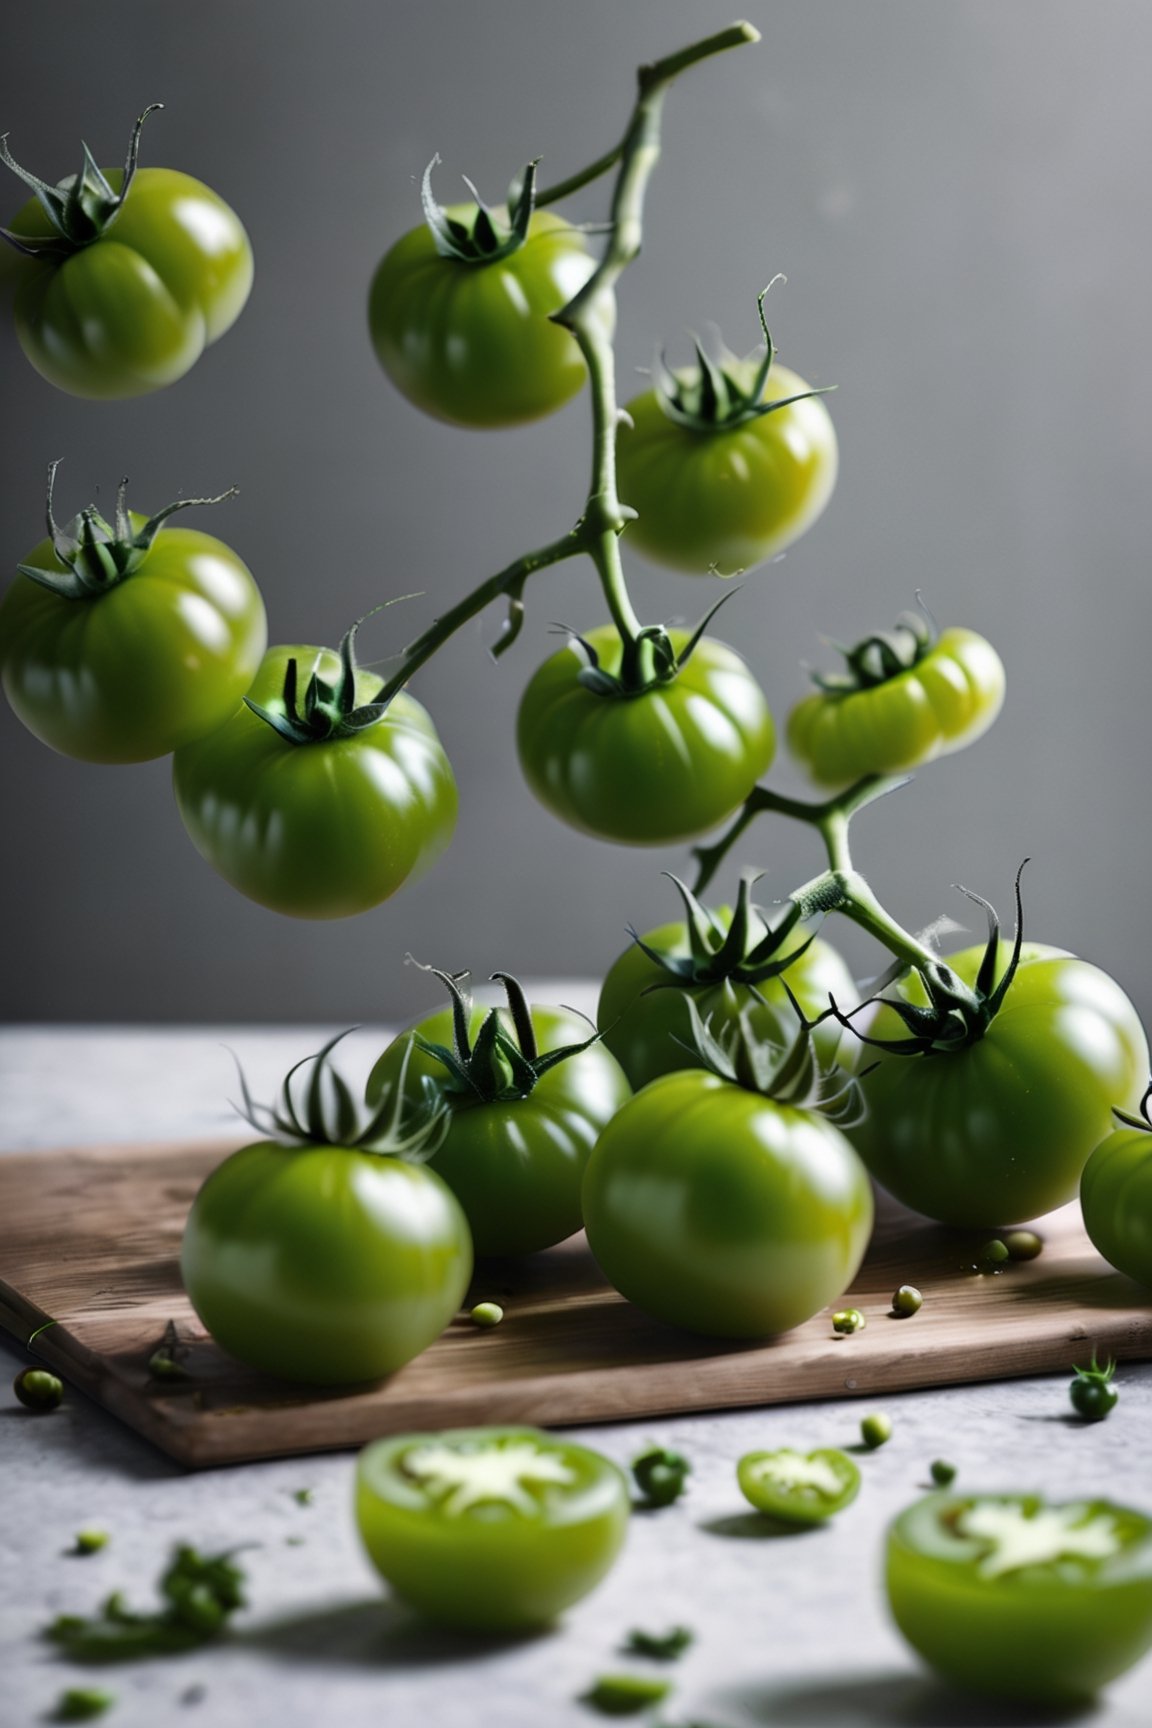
column 958, row 195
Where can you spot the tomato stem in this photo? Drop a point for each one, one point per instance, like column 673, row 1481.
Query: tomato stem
column 591, row 316
column 507, row 583
column 840, row 888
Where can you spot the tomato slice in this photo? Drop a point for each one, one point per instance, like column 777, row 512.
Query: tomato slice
column 798, row 1487
column 490, row 1529
column 1020, row 1597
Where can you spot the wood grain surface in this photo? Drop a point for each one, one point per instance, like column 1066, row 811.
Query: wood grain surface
column 89, row 1240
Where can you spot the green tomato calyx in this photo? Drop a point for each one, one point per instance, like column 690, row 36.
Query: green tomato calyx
column 748, row 951
column 648, row 660
column 97, row 554
column 199, row 1591
column 324, row 1112
column 884, row 655
column 716, row 395
column 787, row 1074
column 82, row 207
column 499, row 1065
column 327, row 710
column 1018, row 1534
column 955, row 1015
column 483, row 236
column 498, row 1472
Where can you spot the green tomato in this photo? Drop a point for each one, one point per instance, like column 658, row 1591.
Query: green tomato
column 1092, row 1394
column 158, row 660
column 944, row 702
column 642, row 1031
column 720, row 501
column 134, row 309
column 472, row 342
column 1010, row 1595
column 515, row 1165
column 666, row 764
column 1000, row 1130
column 718, row 1210
column 324, row 1264
column 324, row 829
column 798, row 1487
column 1116, row 1199
column 490, row 1529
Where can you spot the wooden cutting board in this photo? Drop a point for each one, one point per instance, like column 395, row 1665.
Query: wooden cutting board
column 90, row 1241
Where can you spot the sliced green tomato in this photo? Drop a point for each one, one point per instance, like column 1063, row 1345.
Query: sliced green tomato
column 798, row 1487
column 1020, row 1598
column 490, row 1529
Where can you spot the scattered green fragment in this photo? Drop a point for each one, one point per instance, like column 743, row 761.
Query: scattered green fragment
column 994, row 1253
column 876, row 1429
column 164, row 1367
column 660, row 1646
column 942, row 1473
column 200, row 1592
column 294, row 1541
column 91, row 1541
column 486, row 1314
column 1023, row 1244
column 303, row 1496
column 847, row 1320
column 37, row 1389
column 907, row 1301
column 661, row 1475
column 81, row 1703
column 625, row 1694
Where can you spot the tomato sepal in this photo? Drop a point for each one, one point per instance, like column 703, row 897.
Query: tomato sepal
column 480, row 241
column 79, row 209
column 96, row 554
column 727, row 392
column 492, row 1067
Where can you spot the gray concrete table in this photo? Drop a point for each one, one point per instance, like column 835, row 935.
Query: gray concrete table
column 788, row 1631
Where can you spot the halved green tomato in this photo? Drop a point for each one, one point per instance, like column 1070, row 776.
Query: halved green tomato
column 798, row 1487
column 490, row 1529
column 1023, row 1598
